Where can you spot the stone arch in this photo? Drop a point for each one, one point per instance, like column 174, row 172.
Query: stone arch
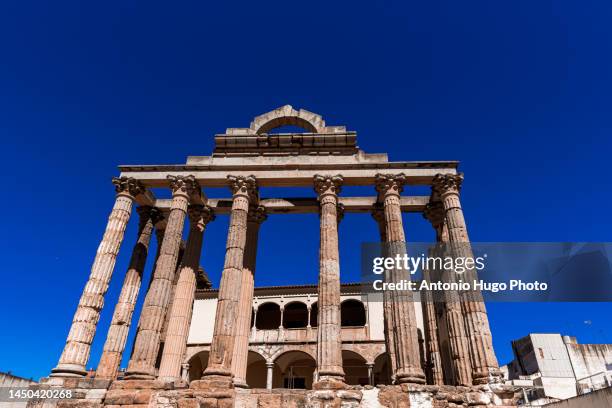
column 268, row 316
column 352, row 313
column 381, row 370
column 295, row 315
column 294, row 347
column 293, row 369
column 287, row 116
column 197, row 365
column 256, row 370
column 355, row 368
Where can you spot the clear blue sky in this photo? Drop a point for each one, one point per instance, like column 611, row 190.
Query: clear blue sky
column 520, row 92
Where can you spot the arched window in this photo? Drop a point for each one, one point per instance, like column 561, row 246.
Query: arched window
column 295, row 315
column 352, row 313
column 268, row 316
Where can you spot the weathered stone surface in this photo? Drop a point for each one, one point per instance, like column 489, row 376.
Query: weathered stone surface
column 329, row 349
column 122, row 317
column 78, row 344
column 244, row 191
column 389, row 187
column 485, row 368
column 147, row 343
column 182, row 305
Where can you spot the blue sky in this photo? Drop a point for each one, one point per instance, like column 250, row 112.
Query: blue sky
column 520, row 92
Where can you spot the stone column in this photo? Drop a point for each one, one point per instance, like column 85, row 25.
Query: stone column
column 146, row 345
column 219, row 370
column 458, row 341
column 485, row 368
column 370, row 373
column 329, row 343
column 433, row 359
column 122, row 316
column 378, row 213
column 256, row 215
column 409, row 369
column 78, row 344
column 269, row 374
column 182, row 306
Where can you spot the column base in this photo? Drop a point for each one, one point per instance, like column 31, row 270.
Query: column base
column 213, row 382
column 410, row 376
column 68, row 370
column 139, row 375
column 240, row 384
column 327, row 382
column 491, row 376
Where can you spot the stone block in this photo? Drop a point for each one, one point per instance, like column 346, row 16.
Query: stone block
column 269, row 401
column 188, row 403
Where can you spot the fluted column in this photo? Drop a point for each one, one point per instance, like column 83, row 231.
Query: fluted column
column 409, row 369
column 182, row 306
column 256, row 215
column 458, row 341
column 219, row 369
column 378, row 213
column 124, row 309
column 329, row 343
column 146, row 345
column 78, row 344
column 485, row 368
column 433, row 357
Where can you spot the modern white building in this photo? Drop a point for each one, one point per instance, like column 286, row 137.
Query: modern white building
column 552, row 367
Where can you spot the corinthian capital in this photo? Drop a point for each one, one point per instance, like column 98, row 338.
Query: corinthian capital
column 186, row 185
column 246, row 186
column 257, row 213
column 324, row 185
column 128, row 185
column 447, row 183
column 390, row 183
column 197, row 212
column 434, row 213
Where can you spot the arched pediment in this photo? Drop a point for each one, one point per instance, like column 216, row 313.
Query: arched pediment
column 286, row 116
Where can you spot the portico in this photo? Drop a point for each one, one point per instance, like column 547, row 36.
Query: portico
column 324, row 158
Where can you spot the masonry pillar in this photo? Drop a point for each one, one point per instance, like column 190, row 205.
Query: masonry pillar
column 269, row 374
column 122, row 316
column 255, row 216
column 146, row 345
column 389, row 187
column 378, row 213
column 485, row 368
column 78, row 344
column 329, row 343
column 458, row 341
column 219, row 369
column 433, row 358
column 182, row 306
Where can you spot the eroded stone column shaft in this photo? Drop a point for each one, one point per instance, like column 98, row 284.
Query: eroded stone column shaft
column 255, row 217
column 182, row 306
column 329, row 343
column 433, row 358
column 457, row 338
column 78, row 344
column 226, row 318
column 146, row 345
column 485, row 368
column 408, row 362
column 379, row 215
column 116, row 338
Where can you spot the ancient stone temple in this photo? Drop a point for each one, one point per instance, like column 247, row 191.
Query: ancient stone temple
column 325, row 345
